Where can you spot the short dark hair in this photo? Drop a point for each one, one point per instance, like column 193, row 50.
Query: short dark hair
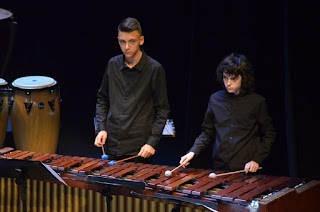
column 237, row 64
column 129, row 25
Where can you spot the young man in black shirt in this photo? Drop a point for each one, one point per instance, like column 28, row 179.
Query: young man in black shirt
column 132, row 104
column 236, row 120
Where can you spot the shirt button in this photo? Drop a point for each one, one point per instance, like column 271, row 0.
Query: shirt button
column 230, row 138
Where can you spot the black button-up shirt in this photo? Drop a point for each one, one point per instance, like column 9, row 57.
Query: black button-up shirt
column 240, row 127
column 132, row 105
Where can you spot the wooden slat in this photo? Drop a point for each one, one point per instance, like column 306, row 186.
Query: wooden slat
column 204, row 181
column 52, row 163
column 201, row 190
column 93, row 167
column 63, row 162
column 123, row 171
column 6, row 150
column 289, row 184
column 147, row 173
column 161, row 178
column 21, row 154
column 174, row 185
column 234, row 186
column 108, row 169
column 72, row 163
column 37, row 157
column 118, row 168
column 25, row 156
column 231, row 188
column 9, row 155
column 46, row 157
column 259, row 190
column 171, row 180
column 143, row 166
column 196, row 185
column 203, row 174
column 76, row 170
column 231, row 196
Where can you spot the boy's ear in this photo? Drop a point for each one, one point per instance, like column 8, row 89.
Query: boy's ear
column 141, row 40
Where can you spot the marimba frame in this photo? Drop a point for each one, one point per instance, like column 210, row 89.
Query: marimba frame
column 185, row 185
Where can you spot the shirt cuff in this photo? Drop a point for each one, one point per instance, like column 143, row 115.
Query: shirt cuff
column 153, row 141
column 194, row 149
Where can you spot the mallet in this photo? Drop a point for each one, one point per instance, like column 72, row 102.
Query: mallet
column 213, row 175
column 111, row 163
column 104, row 156
column 168, row 173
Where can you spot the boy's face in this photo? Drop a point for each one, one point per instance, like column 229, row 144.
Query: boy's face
column 232, row 83
column 130, row 42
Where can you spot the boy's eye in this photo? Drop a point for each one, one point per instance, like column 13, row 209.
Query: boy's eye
column 231, row 78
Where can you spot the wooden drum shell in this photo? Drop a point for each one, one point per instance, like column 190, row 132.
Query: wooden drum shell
column 4, row 113
column 37, row 131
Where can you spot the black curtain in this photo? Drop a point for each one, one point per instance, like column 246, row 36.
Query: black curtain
column 72, row 41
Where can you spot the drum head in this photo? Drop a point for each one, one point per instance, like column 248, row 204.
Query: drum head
column 34, row 82
column 4, row 14
column 3, row 82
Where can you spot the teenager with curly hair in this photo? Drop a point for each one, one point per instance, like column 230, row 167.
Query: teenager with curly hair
column 237, row 120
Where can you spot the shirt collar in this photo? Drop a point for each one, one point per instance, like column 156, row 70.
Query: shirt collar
column 231, row 95
column 139, row 66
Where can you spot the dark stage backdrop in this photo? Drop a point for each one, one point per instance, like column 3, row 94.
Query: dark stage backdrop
column 72, row 41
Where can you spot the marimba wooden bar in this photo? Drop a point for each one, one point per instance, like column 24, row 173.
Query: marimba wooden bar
column 188, row 187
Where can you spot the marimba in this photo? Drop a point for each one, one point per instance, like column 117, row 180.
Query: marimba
column 237, row 192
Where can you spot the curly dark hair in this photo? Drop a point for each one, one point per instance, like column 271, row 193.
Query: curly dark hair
column 237, row 64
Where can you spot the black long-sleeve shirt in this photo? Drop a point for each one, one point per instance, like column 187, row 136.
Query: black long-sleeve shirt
column 132, row 105
column 239, row 126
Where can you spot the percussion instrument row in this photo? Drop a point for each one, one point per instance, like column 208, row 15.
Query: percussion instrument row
column 33, row 104
column 236, row 192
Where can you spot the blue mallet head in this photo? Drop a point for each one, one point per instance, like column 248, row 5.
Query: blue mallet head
column 104, row 157
column 111, row 163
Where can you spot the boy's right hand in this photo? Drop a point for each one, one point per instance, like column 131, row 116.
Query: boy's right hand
column 185, row 160
column 101, row 138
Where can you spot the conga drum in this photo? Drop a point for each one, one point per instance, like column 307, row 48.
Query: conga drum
column 7, row 34
column 4, row 109
column 35, row 114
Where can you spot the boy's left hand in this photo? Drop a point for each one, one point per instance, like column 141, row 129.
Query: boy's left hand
column 251, row 166
column 146, row 151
